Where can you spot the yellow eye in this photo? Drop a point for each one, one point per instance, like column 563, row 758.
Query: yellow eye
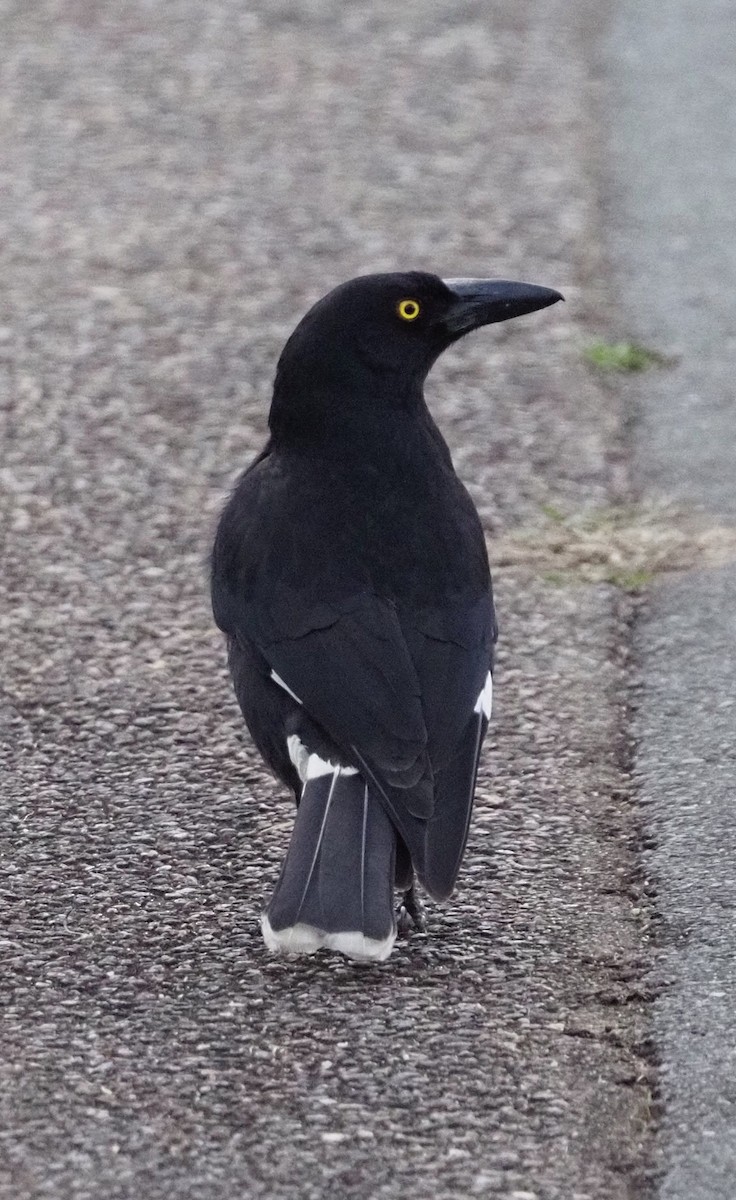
column 408, row 310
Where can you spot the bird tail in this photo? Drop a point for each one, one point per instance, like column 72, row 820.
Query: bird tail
column 336, row 884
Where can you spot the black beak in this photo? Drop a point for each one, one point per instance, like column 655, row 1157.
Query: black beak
column 485, row 301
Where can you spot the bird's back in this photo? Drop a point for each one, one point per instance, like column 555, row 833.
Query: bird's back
column 390, row 517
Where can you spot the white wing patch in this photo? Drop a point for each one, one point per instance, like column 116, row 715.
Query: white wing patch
column 277, row 679
column 484, row 703
column 317, row 766
column 311, row 766
column 299, row 755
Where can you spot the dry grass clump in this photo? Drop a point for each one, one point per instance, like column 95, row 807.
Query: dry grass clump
column 625, row 545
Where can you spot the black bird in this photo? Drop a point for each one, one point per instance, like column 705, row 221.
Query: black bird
column 351, row 578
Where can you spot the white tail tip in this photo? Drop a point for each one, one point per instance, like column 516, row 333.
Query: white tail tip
column 305, row 939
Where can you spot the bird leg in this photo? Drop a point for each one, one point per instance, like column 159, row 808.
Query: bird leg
column 411, row 913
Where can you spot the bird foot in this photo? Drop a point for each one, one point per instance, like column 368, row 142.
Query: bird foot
column 410, row 914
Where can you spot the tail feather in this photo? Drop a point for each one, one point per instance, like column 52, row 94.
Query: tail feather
column 447, row 834
column 336, row 884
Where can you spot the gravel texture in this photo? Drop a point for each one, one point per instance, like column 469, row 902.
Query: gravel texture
column 180, row 181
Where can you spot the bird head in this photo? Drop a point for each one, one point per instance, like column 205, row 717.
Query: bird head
column 378, row 335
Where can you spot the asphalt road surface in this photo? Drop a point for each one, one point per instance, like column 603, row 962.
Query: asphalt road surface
column 672, row 125
column 179, row 182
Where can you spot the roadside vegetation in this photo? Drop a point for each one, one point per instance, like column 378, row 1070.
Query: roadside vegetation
column 626, row 545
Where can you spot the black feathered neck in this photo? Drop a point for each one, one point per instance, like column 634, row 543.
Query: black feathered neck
column 311, row 407
column 351, row 361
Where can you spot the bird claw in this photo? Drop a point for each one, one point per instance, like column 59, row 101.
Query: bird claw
column 411, row 914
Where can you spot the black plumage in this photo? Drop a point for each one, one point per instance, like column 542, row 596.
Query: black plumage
column 350, row 576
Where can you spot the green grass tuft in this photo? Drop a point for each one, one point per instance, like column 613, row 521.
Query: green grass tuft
column 553, row 513
column 621, row 356
column 631, row 581
column 560, row 578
